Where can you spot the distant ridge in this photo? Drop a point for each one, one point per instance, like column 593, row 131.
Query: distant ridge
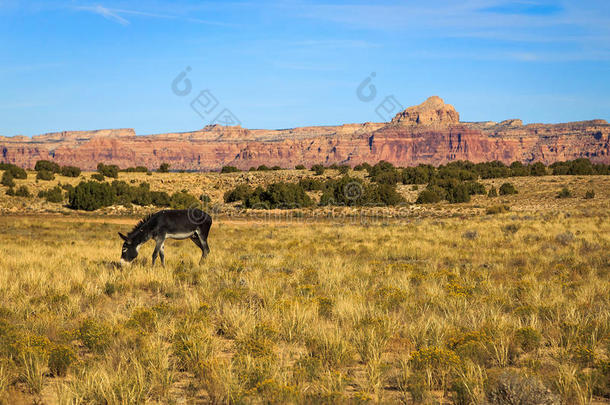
column 429, row 133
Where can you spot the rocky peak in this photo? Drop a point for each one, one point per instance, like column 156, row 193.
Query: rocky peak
column 432, row 112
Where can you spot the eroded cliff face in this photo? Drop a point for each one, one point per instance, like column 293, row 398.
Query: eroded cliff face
column 429, row 133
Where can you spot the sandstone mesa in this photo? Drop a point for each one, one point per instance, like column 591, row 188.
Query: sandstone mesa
column 429, row 133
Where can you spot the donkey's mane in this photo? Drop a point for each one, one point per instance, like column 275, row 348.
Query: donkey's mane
column 136, row 229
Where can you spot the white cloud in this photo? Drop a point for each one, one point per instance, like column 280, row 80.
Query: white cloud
column 107, row 13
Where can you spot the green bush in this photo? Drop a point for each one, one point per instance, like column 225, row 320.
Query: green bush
column 97, row 176
column 229, row 169
column 70, row 171
column 239, row 193
column 263, row 168
column 352, row 191
column 418, row 175
column 430, row 195
column 362, row 166
column 137, row 169
column 91, row 195
column 318, row 169
column 590, row 194
column 311, row 184
column 10, row 191
column 160, row 198
column 204, row 198
column 474, row 188
column 47, row 165
column 108, row 170
column 54, row 195
column 538, row 169
column 276, row 167
column 183, row 200
column 564, row 193
column 278, row 195
column 163, row 168
column 45, row 175
column 15, row 171
column 343, row 169
column 23, row 191
column 7, row 179
column 492, row 192
column 299, row 167
column 519, row 169
column 384, row 173
column 507, row 189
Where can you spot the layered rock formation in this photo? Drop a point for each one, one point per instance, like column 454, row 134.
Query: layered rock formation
column 428, row 133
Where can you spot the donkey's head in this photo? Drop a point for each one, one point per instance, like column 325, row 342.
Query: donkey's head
column 129, row 250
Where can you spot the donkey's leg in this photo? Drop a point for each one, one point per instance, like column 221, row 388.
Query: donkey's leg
column 202, row 243
column 158, row 250
column 162, row 253
column 196, row 241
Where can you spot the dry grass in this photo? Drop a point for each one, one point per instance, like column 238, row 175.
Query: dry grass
column 449, row 310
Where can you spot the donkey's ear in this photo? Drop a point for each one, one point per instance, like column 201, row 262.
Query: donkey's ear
column 122, row 236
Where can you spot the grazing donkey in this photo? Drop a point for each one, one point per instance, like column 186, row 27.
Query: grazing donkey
column 192, row 224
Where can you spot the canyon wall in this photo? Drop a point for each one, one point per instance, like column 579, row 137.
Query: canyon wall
column 428, row 133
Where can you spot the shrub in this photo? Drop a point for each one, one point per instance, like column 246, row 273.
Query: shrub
column 537, row 169
column 299, row 167
column 183, row 200
column 528, row 338
column 91, row 195
column 239, row 193
column 7, row 179
column 45, row 175
column 474, row 188
column 590, row 194
column 46, row 165
column 23, row 191
column 430, row 195
column 492, row 192
column 94, row 335
column 351, row 191
column 10, row 191
column 229, row 169
column 163, row 168
column 276, row 167
column 519, row 169
column 318, row 169
column 137, row 169
column 54, row 195
column 363, row 166
column 16, row 171
column 204, row 198
column 160, row 199
column 311, row 184
column 97, row 176
column 418, row 175
column 70, row 171
column 458, row 193
column 384, row 173
column 108, row 170
column 278, row 195
column 507, row 189
column 564, row 193
column 263, row 168
column 512, row 388
column 60, row 359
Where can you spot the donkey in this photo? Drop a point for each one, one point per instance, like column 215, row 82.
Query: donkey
column 192, row 224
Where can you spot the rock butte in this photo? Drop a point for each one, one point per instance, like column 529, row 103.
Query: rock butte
column 429, row 133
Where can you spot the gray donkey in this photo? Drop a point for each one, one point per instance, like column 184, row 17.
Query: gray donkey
column 192, row 224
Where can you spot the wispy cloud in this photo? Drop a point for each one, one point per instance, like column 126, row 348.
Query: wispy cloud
column 107, row 13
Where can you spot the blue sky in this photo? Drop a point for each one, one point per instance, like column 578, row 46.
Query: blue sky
column 77, row 65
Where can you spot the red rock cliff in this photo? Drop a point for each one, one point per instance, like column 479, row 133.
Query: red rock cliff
column 428, row 133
